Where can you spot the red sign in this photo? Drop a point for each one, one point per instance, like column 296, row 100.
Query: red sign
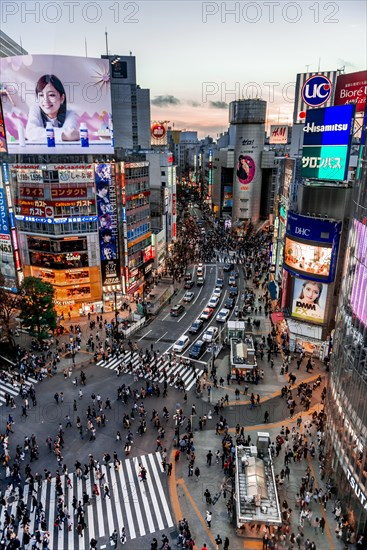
column 35, row 192
column 352, row 88
column 157, row 130
column 174, row 204
column 68, row 192
column 148, row 253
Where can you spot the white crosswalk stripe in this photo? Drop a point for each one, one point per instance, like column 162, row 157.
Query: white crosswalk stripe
column 13, row 390
column 187, row 374
column 139, row 506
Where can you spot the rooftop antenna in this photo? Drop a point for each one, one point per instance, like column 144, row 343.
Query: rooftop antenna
column 106, row 35
column 85, row 46
column 319, row 64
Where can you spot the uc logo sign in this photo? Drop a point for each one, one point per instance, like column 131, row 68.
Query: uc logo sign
column 316, row 90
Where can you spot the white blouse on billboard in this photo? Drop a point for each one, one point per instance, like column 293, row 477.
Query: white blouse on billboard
column 35, row 130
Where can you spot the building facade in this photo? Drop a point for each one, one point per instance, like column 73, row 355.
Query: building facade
column 346, row 403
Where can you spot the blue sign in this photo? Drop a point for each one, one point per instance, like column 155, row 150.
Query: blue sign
column 329, row 126
column 316, row 90
column 75, row 219
column 312, row 229
column 4, row 222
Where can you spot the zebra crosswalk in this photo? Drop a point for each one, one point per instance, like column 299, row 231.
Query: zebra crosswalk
column 188, row 374
column 139, row 506
column 13, row 388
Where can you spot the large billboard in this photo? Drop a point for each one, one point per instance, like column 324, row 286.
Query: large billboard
column 359, row 292
column 326, row 143
column 278, row 134
column 312, row 91
column 309, row 300
column 158, row 133
column 107, row 225
column 313, row 260
column 352, row 88
column 56, row 104
column 313, row 229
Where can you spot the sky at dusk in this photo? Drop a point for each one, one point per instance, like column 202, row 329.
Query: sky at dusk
column 196, row 57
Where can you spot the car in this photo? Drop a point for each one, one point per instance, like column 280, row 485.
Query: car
column 197, row 349
column 219, row 283
column 181, row 344
column 228, row 267
column 232, row 281
column 210, row 334
column 189, row 284
column 200, row 281
column 234, row 273
column 207, row 313
column 217, row 292
column 222, row 315
column 177, row 310
column 188, row 296
column 233, row 291
column 200, row 270
column 188, row 276
column 229, row 303
column 213, row 302
column 196, row 326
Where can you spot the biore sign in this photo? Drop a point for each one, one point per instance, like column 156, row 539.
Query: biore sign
column 352, row 88
column 316, row 90
column 313, row 229
column 329, row 126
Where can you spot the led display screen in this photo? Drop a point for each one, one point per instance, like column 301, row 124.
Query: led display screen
column 359, row 290
column 309, row 300
column 308, row 258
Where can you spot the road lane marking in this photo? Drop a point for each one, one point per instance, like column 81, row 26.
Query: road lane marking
column 160, row 338
column 144, row 335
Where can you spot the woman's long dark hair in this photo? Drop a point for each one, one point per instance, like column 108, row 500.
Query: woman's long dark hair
column 57, row 84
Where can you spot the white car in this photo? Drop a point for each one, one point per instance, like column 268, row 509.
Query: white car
column 217, row 292
column 210, row 334
column 222, row 315
column 200, row 270
column 188, row 296
column 181, row 344
column 213, row 302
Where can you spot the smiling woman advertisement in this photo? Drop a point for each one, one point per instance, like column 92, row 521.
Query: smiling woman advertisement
column 51, row 108
column 309, row 300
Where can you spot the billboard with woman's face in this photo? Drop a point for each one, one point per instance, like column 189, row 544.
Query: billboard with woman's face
column 56, row 104
column 245, row 169
column 309, row 299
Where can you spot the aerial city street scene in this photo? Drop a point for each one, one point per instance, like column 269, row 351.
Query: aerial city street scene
column 183, row 275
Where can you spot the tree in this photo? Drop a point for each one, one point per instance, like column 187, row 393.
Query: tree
column 37, row 308
column 9, row 305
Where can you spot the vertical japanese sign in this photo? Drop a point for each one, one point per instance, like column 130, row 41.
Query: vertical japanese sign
column 107, row 224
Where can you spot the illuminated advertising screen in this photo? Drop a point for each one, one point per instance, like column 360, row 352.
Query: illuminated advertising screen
column 227, row 196
column 107, row 224
column 310, row 259
column 352, row 89
column 246, row 169
column 309, row 300
column 56, row 104
column 313, row 229
column 158, row 133
column 3, row 147
column 359, row 291
column 326, row 143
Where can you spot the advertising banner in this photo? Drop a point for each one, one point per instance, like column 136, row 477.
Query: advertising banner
column 56, row 104
column 278, row 134
column 359, row 293
column 227, row 196
column 312, row 91
column 310, row 259
column 327, row 141
column 107, row 224
column 352, row 88
column 3, row 146
column 288, row 176
column 158, row 133
column 313, row 229
column 309, row 300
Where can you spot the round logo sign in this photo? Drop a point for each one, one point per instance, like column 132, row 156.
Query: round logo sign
column 158, row 131
column 316, row 90
column 245, row 169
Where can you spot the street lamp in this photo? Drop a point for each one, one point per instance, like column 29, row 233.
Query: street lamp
column 177, row 423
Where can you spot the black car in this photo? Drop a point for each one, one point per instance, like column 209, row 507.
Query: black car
column 189, row 284
column 197, row 349
column 196, row 326
column 229, row 303
column 177, row 310
column 233, row 291
column 228, row 267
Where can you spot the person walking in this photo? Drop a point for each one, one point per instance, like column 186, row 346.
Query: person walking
column 114, row 538
column 197, row 473
column 218, row 542
column 209, row 457
column 208, row 496
column 208, row 518
column 226, row 544
column 322, row 525
column 266, row 417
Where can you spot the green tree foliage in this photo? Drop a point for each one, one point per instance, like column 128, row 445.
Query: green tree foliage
column 37, row 308
column 9, row 306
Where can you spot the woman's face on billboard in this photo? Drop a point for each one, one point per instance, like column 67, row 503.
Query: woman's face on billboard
column 50, row 100
column 311, row 292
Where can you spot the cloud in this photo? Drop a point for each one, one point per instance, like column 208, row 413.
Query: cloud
column 164, row 100
column 193, row 103
column 218, row 104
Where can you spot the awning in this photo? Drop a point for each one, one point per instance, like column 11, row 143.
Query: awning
column 277, row 317
column 273, row 289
